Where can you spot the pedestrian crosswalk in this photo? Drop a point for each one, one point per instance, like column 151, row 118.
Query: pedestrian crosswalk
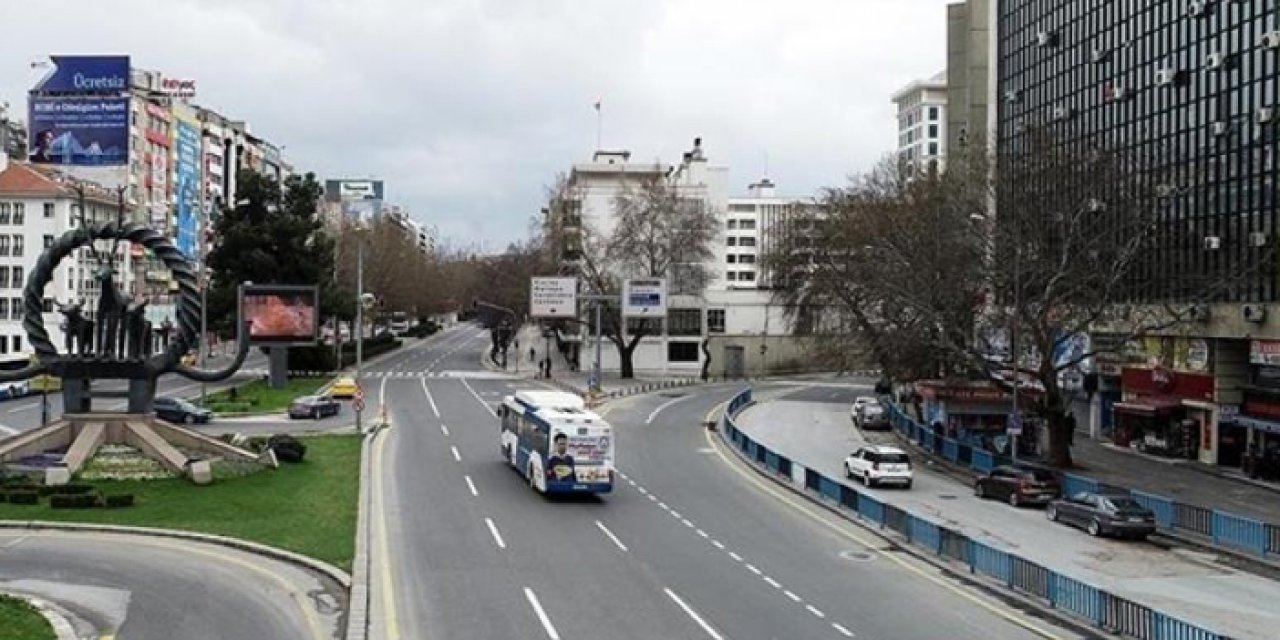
column 470, row 375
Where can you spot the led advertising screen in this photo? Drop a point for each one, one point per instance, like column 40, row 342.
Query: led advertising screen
column 280, row 314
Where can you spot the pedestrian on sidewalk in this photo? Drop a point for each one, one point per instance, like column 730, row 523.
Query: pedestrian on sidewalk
column 533, row 355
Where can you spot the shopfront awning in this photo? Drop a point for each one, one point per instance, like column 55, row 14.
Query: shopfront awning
column 1149, row 405
column 1260, row 424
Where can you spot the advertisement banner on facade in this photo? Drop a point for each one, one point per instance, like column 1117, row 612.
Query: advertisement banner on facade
column 86, row 74
column 553, row 297
column 1265, row 352
column 78, row 131
column 186, row 183
column 348, row 190
column 644, row 297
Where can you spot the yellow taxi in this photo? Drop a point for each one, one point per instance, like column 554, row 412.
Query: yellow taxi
column 190, row 359
column 343, row 387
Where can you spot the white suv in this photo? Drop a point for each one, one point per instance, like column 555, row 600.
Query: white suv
column 876, row 464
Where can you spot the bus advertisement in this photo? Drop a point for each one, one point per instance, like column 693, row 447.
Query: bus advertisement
column 556, row 443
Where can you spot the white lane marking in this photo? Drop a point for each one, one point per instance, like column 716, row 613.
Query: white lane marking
column 478, row 398
column 687, row 523
column 664, row 506
column 752, row 568
column 382, row 393
column 702, row 533
column 653, row 498
column 662, row 406
column 694, row 614
column 814, row 610
column 472, row 486
column 612, row 537
column 717, row 544
column 9, row 430
column 434, row 408
column 497, row 537
column 456, row 456
column 28, row 407
column 789, row 594
column 643, row 491
column 838, row 627
column 542, row 615
column 631, row 482
column 735, row 556
column 444, row 430
column 773, row 583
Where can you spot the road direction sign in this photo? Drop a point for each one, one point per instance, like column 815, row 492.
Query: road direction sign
column 644, row 297
column 553, row 297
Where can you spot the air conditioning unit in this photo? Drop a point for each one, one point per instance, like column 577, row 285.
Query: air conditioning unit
column 1046, row 39
column 1266, row 114
column 1271, row 39
column 1213, row 60
column 1258, row 239
column 1212, row 243
column 1254, row 312
column 1221, row 128
column 1196, row 8
column 1165, row 77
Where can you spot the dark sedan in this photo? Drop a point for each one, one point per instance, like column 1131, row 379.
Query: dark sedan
column 1104, row 514
column 175, row 410
column 314, row 407
column 1019, row 485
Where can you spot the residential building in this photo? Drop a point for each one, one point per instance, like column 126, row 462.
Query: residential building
column 968, row 73
column 1194, row 86
column 37, row 206
column 922, row 121
column 13, row 135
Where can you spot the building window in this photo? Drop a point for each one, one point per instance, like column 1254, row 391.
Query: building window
column 933, row 113
column 6, row 211
column 748, row 225
column 16, row 307
column 19, row 213
column 747, row 242
column 4, row 277
column 46, row 305
column 4, row 344
column 732, row 224
column 731, row 241
column 933, row 148
column 651, row 326
column 17, row 277
column 682, row 352
column 17, row 246
column 48, row 241
column 933, row 131
column 684, row 322
column 731, row 258
column 4, row 308
column 731, row 276
column 747, row 276
column 4, row 245
column 48, row 209
column 17, row 341
column 746, row 258
column 715, row 320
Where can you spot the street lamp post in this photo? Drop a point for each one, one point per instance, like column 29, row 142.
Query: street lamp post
column 359, row 337
column 1014, row 416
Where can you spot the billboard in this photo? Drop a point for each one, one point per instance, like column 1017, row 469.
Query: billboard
column 553, row 297
column 348, row 190
column 86, row 74
column 644, row 297
column 186, row 182
column 78, row 131
column 280, row 314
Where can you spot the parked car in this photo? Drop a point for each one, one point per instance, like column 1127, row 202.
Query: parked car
column 1019, row 485
column 15, row 389
column 175, row 410
column 879, row 464
column 314, row 407
column 872, row 416
column 344, row 387
column 860, row 403
column 1104, row 514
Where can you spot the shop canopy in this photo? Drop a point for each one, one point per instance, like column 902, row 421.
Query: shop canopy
column 1149, row 405
column 1256, row 423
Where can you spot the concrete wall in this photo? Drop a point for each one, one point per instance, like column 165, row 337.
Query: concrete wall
column 968, row 52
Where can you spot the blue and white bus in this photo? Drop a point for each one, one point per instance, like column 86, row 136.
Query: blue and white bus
column 556, row 443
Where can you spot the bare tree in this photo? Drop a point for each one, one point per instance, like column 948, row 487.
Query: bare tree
column 925, row 279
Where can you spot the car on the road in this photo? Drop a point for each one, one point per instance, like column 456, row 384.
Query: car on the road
column 15, row 389
column 1104, row 514
column 1023, row 484
column 860, row 404
column 344, row 387
column 872, row 417
column 178, row 410
column 877, row 464
column 314, row 407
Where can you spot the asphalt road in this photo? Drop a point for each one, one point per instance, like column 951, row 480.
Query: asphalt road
column 149, row 589
column 689, row 546
column 812, row 426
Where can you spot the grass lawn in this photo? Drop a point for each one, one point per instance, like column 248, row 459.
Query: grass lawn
column 309, row 508
column 20, row 622
column 257, row 396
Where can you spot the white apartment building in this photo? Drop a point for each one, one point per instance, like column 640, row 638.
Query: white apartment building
column 922, row 121
column 38, row 206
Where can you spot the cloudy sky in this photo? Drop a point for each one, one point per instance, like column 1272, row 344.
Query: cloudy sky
column 468, row 108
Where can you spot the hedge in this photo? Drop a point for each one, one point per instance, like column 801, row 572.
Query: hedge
column 23, row 497
column 78, row 501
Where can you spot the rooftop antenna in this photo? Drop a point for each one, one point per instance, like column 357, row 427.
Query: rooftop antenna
column 599, row 123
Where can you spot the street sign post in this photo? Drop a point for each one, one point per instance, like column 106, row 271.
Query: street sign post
column 644, row 298
column 553, row 297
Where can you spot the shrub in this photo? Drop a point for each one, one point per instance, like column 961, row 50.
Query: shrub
column 68, row 489
column 79, row 501
column 23, row 497
column 119, row 501
column 287, row 448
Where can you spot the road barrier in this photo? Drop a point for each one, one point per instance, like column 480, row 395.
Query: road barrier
column 1226, row 529
column 1100, row 608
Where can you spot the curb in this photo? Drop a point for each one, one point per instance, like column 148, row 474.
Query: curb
column 318, row 566
column 961, row 575
column 60, row 622
column 358, row 597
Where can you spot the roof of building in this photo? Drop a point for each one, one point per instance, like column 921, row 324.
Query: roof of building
column 25, row 179
column 937, row 81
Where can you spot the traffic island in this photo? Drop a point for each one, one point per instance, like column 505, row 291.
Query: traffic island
column 21, row 621
column 257, row 396
column 308, row 507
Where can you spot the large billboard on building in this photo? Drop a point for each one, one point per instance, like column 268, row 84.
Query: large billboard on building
column 86, row 74
column 78, row 131
column 186, row 180
column 356, row 198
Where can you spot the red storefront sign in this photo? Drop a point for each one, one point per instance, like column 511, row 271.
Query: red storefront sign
column 1160, row 381
column 1261, row 408
column 962, row 393
column 1264, row 352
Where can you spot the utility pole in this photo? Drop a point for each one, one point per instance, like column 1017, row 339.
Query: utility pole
column 359, row 337
column 597, row 373
column 201, row 344
column 1014, row 417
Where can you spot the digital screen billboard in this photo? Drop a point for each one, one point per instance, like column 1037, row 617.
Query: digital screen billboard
column 78, row 131
column 280, row 314
column 186, row 177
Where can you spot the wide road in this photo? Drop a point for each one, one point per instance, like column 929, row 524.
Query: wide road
column 157, row 589
column 688, row 546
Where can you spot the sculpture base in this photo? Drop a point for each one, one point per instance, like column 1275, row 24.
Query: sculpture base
column 82, row 434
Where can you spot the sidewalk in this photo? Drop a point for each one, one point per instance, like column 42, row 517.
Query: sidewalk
column 1191, row 586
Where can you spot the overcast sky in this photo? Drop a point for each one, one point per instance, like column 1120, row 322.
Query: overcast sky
column 467, row 108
